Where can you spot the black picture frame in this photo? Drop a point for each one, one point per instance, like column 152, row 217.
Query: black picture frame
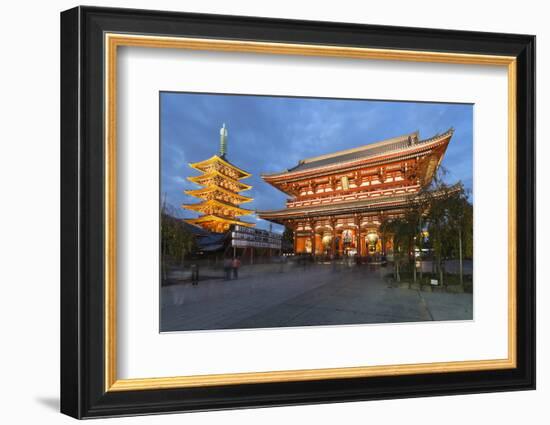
column 83, row 392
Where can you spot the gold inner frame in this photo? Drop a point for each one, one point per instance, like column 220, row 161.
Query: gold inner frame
column 113, row 41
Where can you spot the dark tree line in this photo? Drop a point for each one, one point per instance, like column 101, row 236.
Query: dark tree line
column 445, row 212
column 176, row 241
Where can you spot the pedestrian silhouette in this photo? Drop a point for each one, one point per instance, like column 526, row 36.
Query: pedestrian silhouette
column 236, row 264
column 194, row 274
column 227, row 264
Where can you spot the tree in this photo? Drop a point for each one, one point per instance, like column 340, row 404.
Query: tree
column 399, row 231
column 412, row 228
column 176, row 241
column 288, row 237
column 450, row 221
column 435, row 196
column 461, row 222
column 405, row 231
column 448, row 216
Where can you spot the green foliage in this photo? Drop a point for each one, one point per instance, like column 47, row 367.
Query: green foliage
column 447, row 215
column 288, row 236
column 399, row 231
column 176, row 241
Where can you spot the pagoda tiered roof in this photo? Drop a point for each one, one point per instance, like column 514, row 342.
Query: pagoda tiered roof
column 215, row 177
column 210, row 221
column 214, row 204
column 217, row 192
column 220, row 164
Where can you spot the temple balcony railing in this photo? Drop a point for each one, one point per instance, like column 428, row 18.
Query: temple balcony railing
column 372, row 185
column 336, row 198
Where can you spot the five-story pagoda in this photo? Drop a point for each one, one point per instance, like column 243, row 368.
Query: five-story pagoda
column 220, row 192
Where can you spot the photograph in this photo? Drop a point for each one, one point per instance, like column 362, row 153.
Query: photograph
column 279, row 211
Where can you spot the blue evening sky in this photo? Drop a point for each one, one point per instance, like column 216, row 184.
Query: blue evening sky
column 270, row 134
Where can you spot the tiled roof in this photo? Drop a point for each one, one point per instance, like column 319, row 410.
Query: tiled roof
column 354, row 154
column 373, row 149
column 344, row 207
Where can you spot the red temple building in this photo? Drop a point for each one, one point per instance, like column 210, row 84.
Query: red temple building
column 338, row 201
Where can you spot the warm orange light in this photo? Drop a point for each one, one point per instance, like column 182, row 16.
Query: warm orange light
column 372, row 237
column 220, row 194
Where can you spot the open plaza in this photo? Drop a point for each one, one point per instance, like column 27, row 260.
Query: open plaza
column 292, row 294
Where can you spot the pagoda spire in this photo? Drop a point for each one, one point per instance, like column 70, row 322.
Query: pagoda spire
column 223, row 141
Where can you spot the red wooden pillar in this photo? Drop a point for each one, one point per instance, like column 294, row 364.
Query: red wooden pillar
column 294, row 227
column 358, row 235
column 312, row 237
column 333, row 240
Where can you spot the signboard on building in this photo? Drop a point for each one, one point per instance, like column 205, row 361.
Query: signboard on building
column 244, row 237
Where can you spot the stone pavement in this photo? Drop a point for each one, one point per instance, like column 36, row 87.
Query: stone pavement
column 321, row 294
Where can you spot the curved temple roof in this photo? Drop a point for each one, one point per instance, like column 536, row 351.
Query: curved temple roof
column 347, row 207
column 335, row 208
column 396, row 146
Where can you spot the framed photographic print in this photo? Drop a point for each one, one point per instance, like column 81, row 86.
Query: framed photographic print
column 261, row 212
